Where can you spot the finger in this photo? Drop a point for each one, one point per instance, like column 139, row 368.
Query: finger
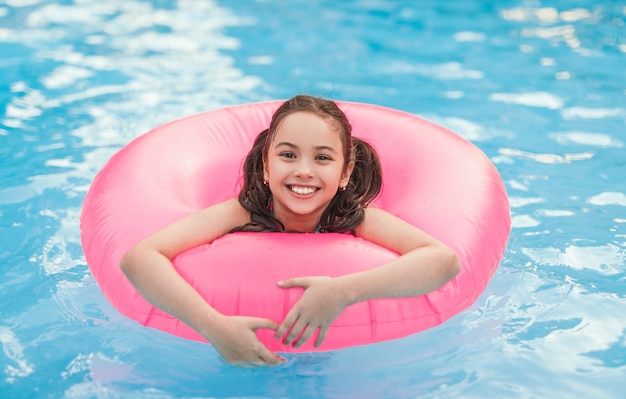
column 321, row 334
column 289, row 321
column 308, row 331
column 294, row 282
column 270, row 359
column 295, row 331
column 257, row 322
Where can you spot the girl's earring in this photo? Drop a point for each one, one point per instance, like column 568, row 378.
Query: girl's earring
column 343, row 188
column 265, row 182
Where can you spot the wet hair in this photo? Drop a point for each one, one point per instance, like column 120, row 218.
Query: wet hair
column 346, row 210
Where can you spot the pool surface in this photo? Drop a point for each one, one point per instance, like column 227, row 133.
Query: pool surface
column 539, row 86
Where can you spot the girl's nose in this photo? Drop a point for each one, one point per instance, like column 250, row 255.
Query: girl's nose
column 304, row 169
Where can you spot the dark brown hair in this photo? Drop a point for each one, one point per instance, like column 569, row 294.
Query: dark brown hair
column 346, row 209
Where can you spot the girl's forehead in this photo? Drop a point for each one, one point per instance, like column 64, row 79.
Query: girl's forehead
column 306, row 126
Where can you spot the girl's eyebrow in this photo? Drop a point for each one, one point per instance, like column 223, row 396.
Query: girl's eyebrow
column 286, row 144
column 317, row 148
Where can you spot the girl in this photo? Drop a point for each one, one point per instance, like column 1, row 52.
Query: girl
column 307, row 174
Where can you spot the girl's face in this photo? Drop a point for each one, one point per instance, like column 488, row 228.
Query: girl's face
column 304, row 168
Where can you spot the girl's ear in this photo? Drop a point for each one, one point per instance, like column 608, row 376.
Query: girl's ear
column 266, row 175
column 345, row 177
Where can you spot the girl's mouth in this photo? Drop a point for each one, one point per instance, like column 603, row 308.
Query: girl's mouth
column 302, row 190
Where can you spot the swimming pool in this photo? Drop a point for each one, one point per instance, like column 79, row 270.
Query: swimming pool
column 539, row 86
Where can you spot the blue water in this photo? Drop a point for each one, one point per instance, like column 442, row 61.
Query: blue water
column 539, row 86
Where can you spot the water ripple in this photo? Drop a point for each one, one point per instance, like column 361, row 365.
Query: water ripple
column 592, row 113
column 14, row 351
column 608, row 198
column 605, row 259
column 545, row 158
column 536, row 99
column 545, row 14
column 586, row 138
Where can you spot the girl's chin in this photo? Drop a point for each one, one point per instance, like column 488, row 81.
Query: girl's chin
column 300, row 214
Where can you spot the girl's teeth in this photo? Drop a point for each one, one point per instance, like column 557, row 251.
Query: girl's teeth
column 302, row 190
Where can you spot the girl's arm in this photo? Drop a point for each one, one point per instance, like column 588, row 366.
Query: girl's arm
column 149, row 268
column 424, row 265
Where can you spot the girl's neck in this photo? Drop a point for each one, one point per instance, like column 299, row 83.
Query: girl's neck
column 306, row 225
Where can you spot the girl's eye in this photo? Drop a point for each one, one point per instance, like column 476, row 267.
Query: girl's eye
column 288, row 155
column 323, row 158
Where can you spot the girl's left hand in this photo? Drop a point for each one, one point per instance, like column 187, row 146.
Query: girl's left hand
column 321, row 302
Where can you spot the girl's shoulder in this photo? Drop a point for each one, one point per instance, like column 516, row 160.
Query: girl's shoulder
column 227, row 214
column 214, row 221
column 373, row 218
column 381, row 222
column 390, row 231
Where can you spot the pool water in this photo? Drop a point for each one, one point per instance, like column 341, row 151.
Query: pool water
column 539, row 86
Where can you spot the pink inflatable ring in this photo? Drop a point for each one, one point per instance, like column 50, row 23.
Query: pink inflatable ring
column 431, row 178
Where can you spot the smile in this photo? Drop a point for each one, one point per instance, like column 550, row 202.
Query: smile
column 302, row 190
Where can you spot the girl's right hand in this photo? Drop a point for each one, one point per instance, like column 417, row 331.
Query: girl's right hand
column 234, row 337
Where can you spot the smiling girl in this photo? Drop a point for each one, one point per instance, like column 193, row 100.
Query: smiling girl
column 305, row 174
